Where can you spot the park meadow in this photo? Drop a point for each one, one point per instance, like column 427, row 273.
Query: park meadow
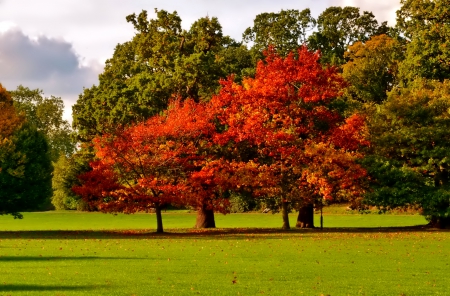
column 75, row 253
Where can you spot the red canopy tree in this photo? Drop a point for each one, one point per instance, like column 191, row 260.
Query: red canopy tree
column 286, row 114
column 276, row 135
column 167, row 159
column 144, row 167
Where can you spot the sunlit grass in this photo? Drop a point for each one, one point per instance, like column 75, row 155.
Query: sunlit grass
column 47, row 254
column 96, row 221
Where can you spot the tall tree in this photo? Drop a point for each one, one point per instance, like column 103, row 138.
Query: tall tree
column 426, row 25
column 285, row 112
column 166, row 159
column 410, row 134
column 46, row 114
column 338, row 27
column 161, row 61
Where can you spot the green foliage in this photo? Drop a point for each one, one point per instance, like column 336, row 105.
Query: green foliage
column 285, row 30
column 426, row 25
column 371, row 68
column 410, row 136
column 63, row 178
column 241, row 203
column 338, row 27
column 46, row 115
column 162, row 61
column 25, row 172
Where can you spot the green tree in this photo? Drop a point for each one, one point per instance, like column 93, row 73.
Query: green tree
column 426, row 25
column 338, row 27
column 65, row 173
column 286, row 30
column 26, row 172
column 410, row 133
column 160, row 62
column 46, row 115
column 371, row 68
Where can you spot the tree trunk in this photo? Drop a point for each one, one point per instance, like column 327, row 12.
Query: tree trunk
column 439, row 222
column 305, row 217
column 205, row 218
column 285, row 215
column 159, row 223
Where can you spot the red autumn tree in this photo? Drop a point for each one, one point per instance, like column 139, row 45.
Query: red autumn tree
column 286, row 114
column 142, row 167
column 167, row 159
column 277, row 136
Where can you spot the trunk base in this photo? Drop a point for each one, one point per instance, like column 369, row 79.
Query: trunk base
column 159, row 223
column 285, row 214
column 205, row 218
column 305, row 217
column 439, row 222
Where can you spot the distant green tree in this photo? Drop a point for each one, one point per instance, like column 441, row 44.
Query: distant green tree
column 26, row 172
column 285, row 30
column 371, row 68
column 338, row 27
column 46, row 114
column 64, row 176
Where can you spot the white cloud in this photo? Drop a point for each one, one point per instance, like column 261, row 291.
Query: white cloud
column 384, row 10
column 45, row 63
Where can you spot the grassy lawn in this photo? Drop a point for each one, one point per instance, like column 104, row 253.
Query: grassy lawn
column 69, row 253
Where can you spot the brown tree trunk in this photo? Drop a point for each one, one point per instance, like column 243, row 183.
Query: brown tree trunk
column 285, row 215
column 205, row 218
column 159, row 223
column 305, row 217
column 439, row 222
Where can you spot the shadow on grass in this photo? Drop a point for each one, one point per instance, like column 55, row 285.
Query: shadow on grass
column 43, row 288
column 222, row 233
column 60, row 258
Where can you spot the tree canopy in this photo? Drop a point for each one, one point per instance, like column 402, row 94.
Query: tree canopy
column 274, row 135
column 338, row 27
column 162, row 61
column 372, row 68
column 46, row 114
column 426, row 25
column 410, row 133
column 25, row 165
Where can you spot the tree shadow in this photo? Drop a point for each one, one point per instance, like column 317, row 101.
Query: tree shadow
column 222, row 233
column 44, row 288
column 61, row 258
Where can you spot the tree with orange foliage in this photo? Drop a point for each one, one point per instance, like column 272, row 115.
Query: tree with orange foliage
column 275, row 136
column 166, row 159
column 286, row 114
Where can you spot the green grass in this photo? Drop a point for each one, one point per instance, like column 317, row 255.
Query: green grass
column 69, row 253
column 178, row 219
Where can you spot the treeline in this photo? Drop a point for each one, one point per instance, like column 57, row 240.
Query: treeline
column 338, row 108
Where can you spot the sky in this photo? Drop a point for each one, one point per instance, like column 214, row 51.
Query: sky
column 60, row 46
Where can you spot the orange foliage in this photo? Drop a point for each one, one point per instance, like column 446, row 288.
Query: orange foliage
column 284, row 111
column 9, row 119
column 273, row 135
